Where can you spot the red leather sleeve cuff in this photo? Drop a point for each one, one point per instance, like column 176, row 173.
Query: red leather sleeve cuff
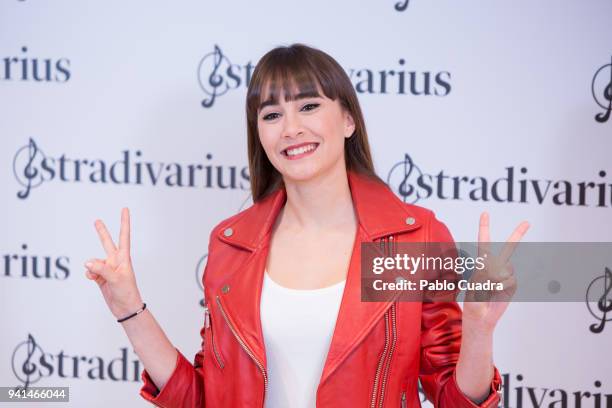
column 461, row 400
column 162, row 398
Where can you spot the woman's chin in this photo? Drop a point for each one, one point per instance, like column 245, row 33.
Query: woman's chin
column 301, row 175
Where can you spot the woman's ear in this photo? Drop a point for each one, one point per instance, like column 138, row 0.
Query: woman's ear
column 349, row 125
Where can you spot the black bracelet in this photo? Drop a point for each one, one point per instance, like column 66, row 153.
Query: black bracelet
column 144, row 306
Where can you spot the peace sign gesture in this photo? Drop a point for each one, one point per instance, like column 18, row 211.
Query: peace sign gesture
column 486, row 313
column 114, row 275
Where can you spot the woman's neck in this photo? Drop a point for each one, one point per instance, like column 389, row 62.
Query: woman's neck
column 319, row 204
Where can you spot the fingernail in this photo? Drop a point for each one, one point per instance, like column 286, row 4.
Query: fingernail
column 88, row 264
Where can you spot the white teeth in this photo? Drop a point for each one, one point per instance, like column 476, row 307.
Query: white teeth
column 300, row 150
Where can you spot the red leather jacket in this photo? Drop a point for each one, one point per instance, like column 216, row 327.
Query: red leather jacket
column 378, row 351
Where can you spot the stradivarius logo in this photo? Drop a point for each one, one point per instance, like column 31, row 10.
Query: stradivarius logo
column 32, row 167
column 601, row 87
column 412, row 184
column 217, row 75
column 30, row 363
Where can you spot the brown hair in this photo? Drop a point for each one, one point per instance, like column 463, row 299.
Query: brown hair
column 303, row 67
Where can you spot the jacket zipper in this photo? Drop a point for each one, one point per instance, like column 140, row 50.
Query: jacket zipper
column 212, row 340
column 388, row 349
column 387, row 366
column 393, row 334
column 380, row 362
column 404, row 402
column 246, row 349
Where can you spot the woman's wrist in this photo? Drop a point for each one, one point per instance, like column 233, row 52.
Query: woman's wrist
column 475, row 369
column 474, row 331
column 129, row 308
column 137, row 312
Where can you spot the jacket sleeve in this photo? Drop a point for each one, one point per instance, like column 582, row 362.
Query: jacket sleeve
column 440, row 345
column 184, row 388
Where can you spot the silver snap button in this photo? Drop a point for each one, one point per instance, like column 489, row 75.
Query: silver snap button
column 228, row 232
column 410, row 220
column 225, row 289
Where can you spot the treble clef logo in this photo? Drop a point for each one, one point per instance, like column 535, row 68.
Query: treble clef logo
column 604, row 304
column 603, row 80
column 212, row 82
column 26, row 167
column 399, row 6
column 26, row 372
column 400, row 175
column 27, row 367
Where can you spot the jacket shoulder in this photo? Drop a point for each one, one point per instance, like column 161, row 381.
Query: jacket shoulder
column 418, row 211
column 221, row 225
column 435, row 229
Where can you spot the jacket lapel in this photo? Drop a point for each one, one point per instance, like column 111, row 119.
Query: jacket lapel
column 380, row 213
column 250, row 231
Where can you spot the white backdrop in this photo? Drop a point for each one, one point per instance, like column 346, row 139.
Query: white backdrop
column 518, row 86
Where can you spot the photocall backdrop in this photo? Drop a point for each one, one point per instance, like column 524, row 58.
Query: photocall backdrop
column 141, row 104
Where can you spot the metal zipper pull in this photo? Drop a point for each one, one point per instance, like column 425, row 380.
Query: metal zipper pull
column 404, row 402
column 206, row 317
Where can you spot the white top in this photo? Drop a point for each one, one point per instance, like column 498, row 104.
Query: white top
column 297, row 329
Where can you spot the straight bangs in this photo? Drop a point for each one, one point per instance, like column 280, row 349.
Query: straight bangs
column 293, row 75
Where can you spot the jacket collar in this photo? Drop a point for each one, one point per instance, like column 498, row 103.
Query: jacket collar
column 379, row 211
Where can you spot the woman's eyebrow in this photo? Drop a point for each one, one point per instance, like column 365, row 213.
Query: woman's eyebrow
column 267, row 103
column 304, row 95
column 301, row 95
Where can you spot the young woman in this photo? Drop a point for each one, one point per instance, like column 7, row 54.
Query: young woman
column 284, row 323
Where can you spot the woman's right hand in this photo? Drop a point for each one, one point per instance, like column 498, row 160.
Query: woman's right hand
column 114, row 275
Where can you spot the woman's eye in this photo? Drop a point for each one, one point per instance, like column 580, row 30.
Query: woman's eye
column 310, row 106
column 274, row 115
column 270, row 116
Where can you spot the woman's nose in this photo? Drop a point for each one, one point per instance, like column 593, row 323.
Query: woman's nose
column 292, row 124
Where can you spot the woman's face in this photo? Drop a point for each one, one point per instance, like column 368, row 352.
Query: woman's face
column 304, row 138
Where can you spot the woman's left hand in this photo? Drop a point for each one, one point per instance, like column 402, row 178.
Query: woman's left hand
column 481, row 313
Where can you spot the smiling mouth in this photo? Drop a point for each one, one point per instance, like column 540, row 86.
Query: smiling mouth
column 300, row 151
